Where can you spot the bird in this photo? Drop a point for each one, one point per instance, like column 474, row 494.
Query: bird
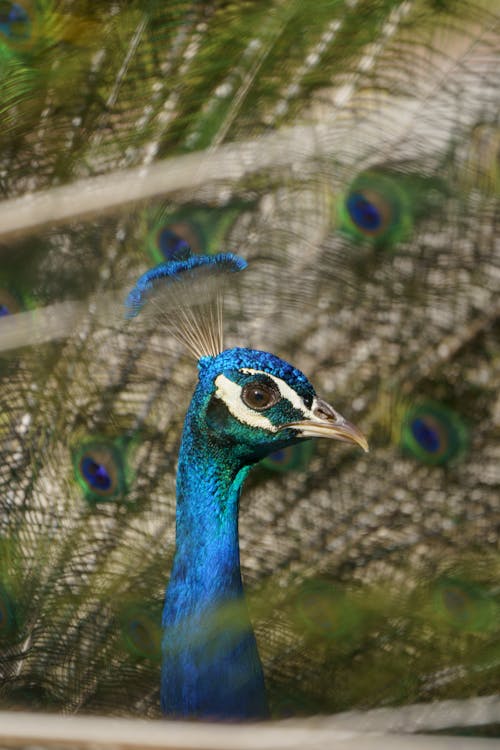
column 247, row 404
column 350, row 156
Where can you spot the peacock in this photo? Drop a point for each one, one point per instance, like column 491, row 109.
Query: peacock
column 351, row 156
column 247, row 404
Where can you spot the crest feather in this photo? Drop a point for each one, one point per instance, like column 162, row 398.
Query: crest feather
column 187, row 297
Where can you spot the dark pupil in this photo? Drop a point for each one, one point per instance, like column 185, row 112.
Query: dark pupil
column 258, row 396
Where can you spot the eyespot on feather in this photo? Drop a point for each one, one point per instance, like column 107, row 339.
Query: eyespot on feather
column 291, row 458
column 464, row 605
column 324, row 609
column 193, row 229
column 434, row 434
column 172, row 243
column 100, row 468
column 376, row 208
column 140, row 631
column 11, row 301
column 15, row 23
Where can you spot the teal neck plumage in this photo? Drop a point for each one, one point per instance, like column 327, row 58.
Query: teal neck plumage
column 211, row 667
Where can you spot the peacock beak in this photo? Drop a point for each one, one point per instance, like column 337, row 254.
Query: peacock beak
column 324, row 421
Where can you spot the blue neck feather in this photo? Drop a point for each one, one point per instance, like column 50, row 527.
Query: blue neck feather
column 211, row 667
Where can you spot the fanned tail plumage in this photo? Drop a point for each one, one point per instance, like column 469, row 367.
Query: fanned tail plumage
column 371, row 237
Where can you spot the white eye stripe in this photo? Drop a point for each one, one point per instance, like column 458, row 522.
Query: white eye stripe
column 230, row 393
column 285, row 390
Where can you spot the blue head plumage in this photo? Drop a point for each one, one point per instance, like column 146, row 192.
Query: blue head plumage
column 246, row 405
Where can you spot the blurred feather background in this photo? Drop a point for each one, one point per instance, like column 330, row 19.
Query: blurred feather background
column 372, row 239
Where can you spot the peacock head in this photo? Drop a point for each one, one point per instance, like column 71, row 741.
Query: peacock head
column 248, row 402
column 256, row 403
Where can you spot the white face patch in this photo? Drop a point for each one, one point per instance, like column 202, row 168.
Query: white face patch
column 230, row 393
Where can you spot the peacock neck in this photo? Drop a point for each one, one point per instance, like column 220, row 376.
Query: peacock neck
column 211, row 666
column 207, row 558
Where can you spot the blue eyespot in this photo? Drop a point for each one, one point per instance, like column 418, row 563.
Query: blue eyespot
column 176, row 236
column 434, row 434
column 14, row 21
column 376, row 208
column 364, row 214
column 426, row 435
column 172, row 246
column 464, row 605
column 278, row 457
column 11, row 302
column 96, row 474
column 194, row 229
column 100, row 468
column 141, row 632
column 323, row 608
column 291, row 458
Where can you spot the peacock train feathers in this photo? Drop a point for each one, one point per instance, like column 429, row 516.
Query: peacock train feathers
column 351, row 156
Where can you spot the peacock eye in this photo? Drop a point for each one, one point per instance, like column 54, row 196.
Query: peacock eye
column 260, row 396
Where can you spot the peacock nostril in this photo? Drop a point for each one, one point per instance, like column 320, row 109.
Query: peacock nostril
column 325, row 415
column 322, row 410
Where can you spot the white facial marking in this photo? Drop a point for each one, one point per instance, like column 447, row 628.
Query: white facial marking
column 230, row 393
